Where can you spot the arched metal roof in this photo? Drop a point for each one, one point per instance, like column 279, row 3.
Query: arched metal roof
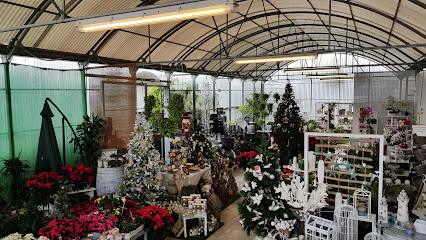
column 391, row 32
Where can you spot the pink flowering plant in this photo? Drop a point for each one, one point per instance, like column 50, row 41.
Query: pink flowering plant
column 370, row 120
column 98, row 222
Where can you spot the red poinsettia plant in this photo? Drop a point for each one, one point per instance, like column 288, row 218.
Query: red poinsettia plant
column 98, row 222
column 65, row 229
column 155, row 217
column 79, row 175
column 245, row 157
column 44, row 185
column 83, row 208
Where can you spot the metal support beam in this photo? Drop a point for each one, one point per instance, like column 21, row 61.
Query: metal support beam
column 230, row 98
column 9, row 110
column 342, row 50
column 83, row 89
column 194, row 98
column 214, row 93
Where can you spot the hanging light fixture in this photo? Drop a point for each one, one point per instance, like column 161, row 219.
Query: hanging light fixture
column 312, row 70
column 327, row 76
column 274, row 59
column 335, row 79
column 178, row 12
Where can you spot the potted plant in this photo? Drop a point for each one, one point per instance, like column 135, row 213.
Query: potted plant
column 89, row 134
column 176, row 109
column 157, row 221
column 150, row 103
column 16, row 169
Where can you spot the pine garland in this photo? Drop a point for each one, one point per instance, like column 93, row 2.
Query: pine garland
column 142, row 180
column 288, row 128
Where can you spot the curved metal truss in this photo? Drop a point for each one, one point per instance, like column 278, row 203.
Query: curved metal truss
column 208, row 45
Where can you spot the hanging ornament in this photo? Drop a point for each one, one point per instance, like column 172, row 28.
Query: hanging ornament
column 348, row 166
column 286, row 120
column 353, row 175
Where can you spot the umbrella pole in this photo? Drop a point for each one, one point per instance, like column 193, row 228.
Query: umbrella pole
column 63, row 140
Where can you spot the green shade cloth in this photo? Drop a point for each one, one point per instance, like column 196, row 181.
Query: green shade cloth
column 48, row 156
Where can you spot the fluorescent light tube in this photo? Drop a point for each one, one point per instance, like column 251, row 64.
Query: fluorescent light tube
column 327, row 76
column 335, row 79
column 274, row 59
column 312, row 70
column 157, row 15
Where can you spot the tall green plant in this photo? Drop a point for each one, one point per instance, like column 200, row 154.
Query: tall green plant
column 260, row 107
column 176, row 108
column 150, row 103
column 89, row 133
column 17, row 170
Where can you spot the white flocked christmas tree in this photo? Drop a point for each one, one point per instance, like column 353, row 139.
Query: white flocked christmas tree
column 142, row 178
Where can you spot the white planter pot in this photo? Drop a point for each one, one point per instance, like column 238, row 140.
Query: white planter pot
column 138, row 232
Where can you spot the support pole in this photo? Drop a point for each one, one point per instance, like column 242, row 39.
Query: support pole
column 9, row 109
column 230, row 98
column 214, row 93
column 83, row 89
column 194, row 98
column 242, row 91
column 63, row 142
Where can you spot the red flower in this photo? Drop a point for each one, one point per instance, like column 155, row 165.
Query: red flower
column 155, row 216
column 67, row 229
column 79, row 174
column 245, row 157
column 44, row 180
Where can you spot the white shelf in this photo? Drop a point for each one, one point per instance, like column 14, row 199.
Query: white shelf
column 399, row 161
column 345, row 116
column 397, row 116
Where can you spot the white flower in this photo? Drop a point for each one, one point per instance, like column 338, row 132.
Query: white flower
column 257, row 198
column 249, row 208
column 246, row 187
column 253, row 185
column 273, row 207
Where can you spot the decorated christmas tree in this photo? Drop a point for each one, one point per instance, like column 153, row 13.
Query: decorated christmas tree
column 142, row 179
column 262, row 210
column 288, row 130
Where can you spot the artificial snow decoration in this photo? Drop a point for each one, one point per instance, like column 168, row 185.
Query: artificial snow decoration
column 297, row 196
column 141, row 182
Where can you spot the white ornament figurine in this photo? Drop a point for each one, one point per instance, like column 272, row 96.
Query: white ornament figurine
column 295, row 163
column 402, row 216
column 338, row 200
column 383, row 211
column 321, row 171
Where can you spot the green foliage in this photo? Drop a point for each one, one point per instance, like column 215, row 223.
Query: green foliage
column 339, row 130
column 89, row 133
column 288, row 128
column 150, row 103
column 276, row 97
column 176, row 109
column 259, row 107
column 17, row 169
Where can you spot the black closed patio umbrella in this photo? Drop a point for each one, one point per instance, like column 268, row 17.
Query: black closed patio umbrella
column 48, row 156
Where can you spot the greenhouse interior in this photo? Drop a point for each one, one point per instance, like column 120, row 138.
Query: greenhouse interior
column 212, row 119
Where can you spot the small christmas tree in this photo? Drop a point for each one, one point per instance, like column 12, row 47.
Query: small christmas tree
column 262, row 210
column 288, row 130
column 142, row 180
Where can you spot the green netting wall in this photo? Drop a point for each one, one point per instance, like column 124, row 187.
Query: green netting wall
column 29, row 87
column 4, row 126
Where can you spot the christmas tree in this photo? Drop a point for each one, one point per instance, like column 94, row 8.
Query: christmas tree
column 288, row 128
column 142, row 179
column 262, row 209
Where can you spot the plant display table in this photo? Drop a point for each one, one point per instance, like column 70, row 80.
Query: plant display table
column 199, row 216
column 192, row 179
